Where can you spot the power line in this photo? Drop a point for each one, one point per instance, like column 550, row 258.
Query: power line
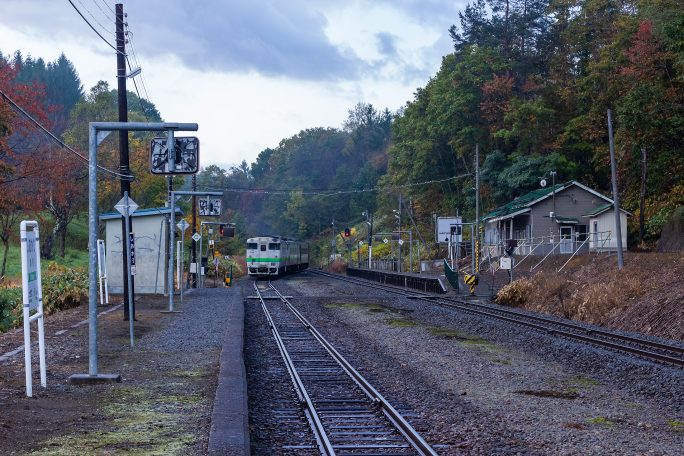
column 108, row 7
column 95, row 19
column 59, row 141
column 137, row 62
column 93, row 28
column 332, row 192
column 107, row 15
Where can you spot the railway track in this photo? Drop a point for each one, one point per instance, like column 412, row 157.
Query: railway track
column 647, row 349
column 347, row 415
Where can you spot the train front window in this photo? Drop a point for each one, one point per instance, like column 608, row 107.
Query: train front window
column 273, row 246
column 263, row 247
column 252, row 245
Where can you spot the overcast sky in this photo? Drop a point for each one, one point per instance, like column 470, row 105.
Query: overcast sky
column 250, row 73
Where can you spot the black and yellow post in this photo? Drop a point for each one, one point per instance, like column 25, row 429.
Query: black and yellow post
column 471, row 280
column 229, row 277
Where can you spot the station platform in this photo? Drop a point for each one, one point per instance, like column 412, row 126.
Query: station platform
column 229, row 433
column 433, row 282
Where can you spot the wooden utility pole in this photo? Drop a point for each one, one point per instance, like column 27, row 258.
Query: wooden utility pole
column 616, row 196
column 123, row 152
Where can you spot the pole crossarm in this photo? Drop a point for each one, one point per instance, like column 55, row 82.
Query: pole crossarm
column 143, row 126
column 191, row 193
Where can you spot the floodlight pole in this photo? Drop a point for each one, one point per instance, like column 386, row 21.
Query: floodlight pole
column 94, row 129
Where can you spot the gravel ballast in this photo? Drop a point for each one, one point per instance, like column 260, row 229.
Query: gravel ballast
column 483, row 387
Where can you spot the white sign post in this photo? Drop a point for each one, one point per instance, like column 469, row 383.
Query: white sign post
column 102, row 272
column 126, row 206
column 32, row 290
column 182, row 225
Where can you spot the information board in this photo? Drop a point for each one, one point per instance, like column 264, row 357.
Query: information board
column 449, row 229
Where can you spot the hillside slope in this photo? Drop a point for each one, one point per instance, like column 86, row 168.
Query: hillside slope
column 646, row 296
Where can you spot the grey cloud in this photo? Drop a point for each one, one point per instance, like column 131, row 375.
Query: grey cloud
column 386, row 44
column 272, row 37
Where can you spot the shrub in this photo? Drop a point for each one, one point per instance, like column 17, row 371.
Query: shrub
column 10, row 308
column 63, row 287
column 515, row 294
column 338, row 266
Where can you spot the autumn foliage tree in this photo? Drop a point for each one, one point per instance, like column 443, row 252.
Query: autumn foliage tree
column 19, row 152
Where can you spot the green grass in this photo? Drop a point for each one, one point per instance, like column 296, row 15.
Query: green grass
column 72, row 258
column 601, row 421
column 679, row 425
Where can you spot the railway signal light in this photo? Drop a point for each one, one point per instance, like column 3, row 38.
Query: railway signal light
column 347, row 232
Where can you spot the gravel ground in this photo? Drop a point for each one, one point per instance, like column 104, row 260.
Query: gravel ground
column 483, row 387
column 163, row 405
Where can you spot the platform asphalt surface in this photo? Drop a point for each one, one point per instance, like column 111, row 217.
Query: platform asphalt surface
column 229, row 433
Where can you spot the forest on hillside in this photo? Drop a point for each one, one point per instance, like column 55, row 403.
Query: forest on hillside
column 528, row 84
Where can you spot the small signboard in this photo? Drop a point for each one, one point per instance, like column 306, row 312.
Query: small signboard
column 506, row 262
column 131, row 239
column 196, row 237
column 185, row 158
column 121, row 206
column 210, row 207
column 183, row 225
column 449, row 229
column 32, row 291
column 385, row 240
column 102, row 272
column 401, row 242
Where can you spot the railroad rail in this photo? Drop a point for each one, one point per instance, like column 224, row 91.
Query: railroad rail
column 347, row 415
column 644, row 348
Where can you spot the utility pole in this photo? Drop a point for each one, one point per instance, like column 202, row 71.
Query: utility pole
column 476, row 252
column 194, row 230
column 398, row 244
column 332, row 243
column 616, row 196
column 123, row 153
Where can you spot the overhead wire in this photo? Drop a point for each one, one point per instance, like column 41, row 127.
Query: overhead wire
column 108, row 7
column 331, row 192
column 93, row 28
column 107, row 15
column 60, row 142
column 95, row 19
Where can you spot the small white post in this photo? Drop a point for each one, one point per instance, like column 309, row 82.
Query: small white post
column 32, row 291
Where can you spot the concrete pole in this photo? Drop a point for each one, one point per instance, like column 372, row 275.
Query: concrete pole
column 616, row 196
column 476, row 249
column 399, row 245
column 92, row 246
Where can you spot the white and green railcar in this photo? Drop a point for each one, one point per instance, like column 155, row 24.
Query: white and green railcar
column 274, row 256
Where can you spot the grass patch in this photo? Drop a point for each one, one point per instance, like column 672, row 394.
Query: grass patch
column 550, row 394
column 371, row 307
column 138, row 421
column 446, row 333
column 676, row 424
column 601, row 421
column 400, row 323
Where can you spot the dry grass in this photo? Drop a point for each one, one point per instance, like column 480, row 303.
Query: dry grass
column 646, row 296
column 338, row 266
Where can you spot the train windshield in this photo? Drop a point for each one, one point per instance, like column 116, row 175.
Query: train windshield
column 273, row 246
column 252, row 245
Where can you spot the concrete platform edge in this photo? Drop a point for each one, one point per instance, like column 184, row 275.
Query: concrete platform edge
column 229, row 433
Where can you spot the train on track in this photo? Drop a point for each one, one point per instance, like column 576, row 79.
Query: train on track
column 272, row 256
